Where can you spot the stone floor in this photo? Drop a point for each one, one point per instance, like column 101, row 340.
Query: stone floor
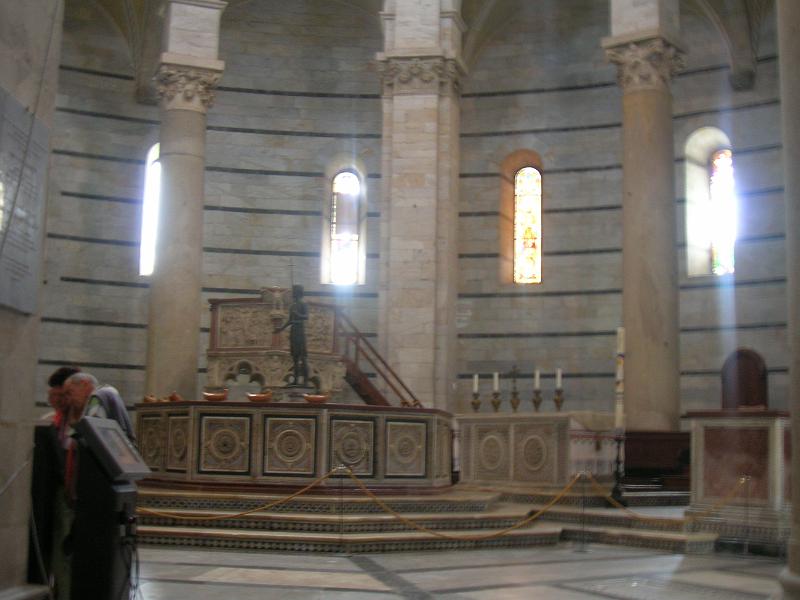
column 564, row 572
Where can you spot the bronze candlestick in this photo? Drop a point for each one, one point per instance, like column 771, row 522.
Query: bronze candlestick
column 514, row 394
column 559, row 399
column 496, row 401
column 476, row 402
column 537, row 399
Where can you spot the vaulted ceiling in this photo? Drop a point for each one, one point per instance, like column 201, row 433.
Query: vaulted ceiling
column 738, row 22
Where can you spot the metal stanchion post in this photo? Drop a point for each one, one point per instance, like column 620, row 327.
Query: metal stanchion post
column 582, row 545
column 342, row 471
column 746, row 545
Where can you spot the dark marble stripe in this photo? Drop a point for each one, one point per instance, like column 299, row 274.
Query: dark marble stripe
column 614, row 125
column 96, row 72
column 293, row 94
column 715, row 372
column 103, row 157
column 399, row 585
column 339, row 293
column 92, row 365
column 264, row 211
column 284, row 132
column 102, row 198
column 94, row 323
column 239, row 171
column 110, row 282
column 610, row 333
column 102, row 115
column 90, row 240
column 727, row 283
column 296, row 253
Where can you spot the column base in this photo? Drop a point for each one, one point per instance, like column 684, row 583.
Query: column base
column 790, row 582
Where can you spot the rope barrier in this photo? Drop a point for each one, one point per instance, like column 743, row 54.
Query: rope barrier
column 684, row 520
column 462, row 538
column 181, row 517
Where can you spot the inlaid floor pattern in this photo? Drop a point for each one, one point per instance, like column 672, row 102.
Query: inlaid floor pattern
column 567, row 571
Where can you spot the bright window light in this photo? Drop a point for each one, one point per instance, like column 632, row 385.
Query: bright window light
column 723, row 217
column 150, row 206
column 344, row 259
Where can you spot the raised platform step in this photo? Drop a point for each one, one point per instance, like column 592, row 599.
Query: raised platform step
column 637, row 498
column 679, row 543
column 497, row 518
column 352, row 542
column 348, row 503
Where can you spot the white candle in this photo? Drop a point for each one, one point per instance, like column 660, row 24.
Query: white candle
column 537, row 383
column 496, row 382
column 558, row 379
column 475, row 383
column 620, row 340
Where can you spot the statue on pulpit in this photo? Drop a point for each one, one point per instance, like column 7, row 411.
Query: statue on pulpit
column 298, row 315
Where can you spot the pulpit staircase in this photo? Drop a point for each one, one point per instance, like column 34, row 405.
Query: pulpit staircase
column 357, row 351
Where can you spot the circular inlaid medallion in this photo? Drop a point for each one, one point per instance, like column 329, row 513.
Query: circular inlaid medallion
column 224, row 444
column 534, row 452
column 406, row 449
column 151, row 445
column 491, row 452
column 289, row 445
column 352, row 448
column 178, row 443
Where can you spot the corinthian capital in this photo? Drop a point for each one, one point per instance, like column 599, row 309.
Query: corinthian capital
column 419, row 75
column 646, row 64
column 186, row 87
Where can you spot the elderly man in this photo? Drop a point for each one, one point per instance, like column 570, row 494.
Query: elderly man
column 86, row 399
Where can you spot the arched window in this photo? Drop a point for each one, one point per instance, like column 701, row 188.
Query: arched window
column 344, row 249
column 150, row 205
column 711, row 207
column 528, row 226
column 521, row 218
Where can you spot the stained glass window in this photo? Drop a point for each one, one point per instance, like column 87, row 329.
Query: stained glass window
column 150, row 205
column 528, row 226
column 344, row 232
column 723, row 213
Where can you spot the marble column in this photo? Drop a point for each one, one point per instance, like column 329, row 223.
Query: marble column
column 788, row 13
column 185, row 79
column 420, row 70
column 647, row 58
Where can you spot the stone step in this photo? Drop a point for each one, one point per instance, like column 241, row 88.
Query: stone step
column 349, row 502
column 499, row 517
column 347, row 542
column 679, row 543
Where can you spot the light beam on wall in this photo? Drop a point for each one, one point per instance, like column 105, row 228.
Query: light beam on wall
column 150, row 207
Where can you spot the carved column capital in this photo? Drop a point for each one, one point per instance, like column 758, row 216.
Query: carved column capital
column 645, row 64
column 420, row 75
column 186, row 87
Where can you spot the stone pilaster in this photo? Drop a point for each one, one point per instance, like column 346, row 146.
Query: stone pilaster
column 788, row 12
column 649, row 262
column 420, row 72
column 185, row 84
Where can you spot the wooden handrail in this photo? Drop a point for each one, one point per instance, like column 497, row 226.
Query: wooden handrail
column 371, row 355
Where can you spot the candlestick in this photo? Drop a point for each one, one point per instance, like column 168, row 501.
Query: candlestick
column 475, row 383
column 537, row 400
column 476, row 401
column 496, row 382
column 620, row 340
column 496, row 401
column 558, row 379
column 537, row 384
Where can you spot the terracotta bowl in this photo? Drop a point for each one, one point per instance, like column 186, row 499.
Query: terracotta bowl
column 175, row 397
column 215, row 396
column 150, row 398
column 316, row 398
column 260, row 397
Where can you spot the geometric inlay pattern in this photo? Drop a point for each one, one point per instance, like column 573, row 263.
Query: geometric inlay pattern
column 352, row 443
column 493, row 453
column 535, row 452
column 405, row 443
column 151, row 441
column 289, row 445
column 177, row 442
column 224, row 444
